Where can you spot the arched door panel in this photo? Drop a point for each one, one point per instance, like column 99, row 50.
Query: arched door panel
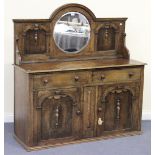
column 56, row 114
column 116, row 108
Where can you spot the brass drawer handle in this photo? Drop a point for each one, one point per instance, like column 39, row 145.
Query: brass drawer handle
column 102, row 77
column 131, row 74
column 76, row 78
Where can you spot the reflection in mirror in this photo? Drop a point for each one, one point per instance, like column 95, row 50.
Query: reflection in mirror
column 72, row 32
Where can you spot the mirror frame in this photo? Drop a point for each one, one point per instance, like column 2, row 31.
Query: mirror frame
column 89, row 48
column 88, row 36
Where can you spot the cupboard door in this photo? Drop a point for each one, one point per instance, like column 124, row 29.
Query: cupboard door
column 58, row 114
column 117, row 108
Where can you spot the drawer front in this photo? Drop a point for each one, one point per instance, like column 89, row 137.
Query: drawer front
column 116, row 75
column 62, row 79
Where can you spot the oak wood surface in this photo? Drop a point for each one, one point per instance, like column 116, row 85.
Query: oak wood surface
column 77, row 65
column 70, row 98
column 107, row 37
column 110, row 136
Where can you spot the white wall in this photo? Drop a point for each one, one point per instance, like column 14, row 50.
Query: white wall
column 137, row 29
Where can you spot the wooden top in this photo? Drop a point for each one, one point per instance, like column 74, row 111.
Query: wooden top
column 48, row 20
column 77, row 65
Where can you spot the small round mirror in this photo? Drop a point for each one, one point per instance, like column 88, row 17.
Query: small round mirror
column 72, row 32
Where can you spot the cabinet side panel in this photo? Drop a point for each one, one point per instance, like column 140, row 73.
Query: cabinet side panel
column 141, row 97
column 21, row 105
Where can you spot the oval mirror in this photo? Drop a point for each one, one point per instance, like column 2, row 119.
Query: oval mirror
column 72, row 32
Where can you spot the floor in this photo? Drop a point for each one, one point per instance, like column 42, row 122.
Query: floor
column 134, row 145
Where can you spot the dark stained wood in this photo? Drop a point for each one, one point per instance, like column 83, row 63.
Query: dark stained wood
column 56, row 117
column 23, row 125
column 121, row 74
column 48, row 20
column 21, row 113
column 70, row 98
column 57, row 114
column 111, row 39
column 86, row 140
column 58, row 79
column 72, row 7
column 37, row 45
column 88, row 111
column 106, row 39
column 78, row 65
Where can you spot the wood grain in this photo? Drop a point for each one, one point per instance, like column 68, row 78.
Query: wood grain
column 71, row 98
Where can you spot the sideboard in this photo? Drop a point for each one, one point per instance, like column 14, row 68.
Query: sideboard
column 74, row 79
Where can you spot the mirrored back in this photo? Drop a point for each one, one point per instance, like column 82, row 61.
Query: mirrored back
column 72, row 32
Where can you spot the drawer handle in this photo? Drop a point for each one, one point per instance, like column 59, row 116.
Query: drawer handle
column 45, row 81
column 76, row 78
column 58, row 92
column 99, row 109
column 131, row 74
column 78, row 112
column 102, row 77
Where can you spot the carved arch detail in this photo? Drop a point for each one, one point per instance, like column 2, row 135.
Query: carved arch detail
column 43, row 95
column 34, row 27
column 72, row 6
column 118, row 89
column 35, row 39
column 106, row 25
column 106, row 36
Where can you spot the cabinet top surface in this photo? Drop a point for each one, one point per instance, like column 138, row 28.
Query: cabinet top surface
column 77, row 65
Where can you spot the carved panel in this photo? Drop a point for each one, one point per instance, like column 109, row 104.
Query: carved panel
column 116, row 107
column 36, row 37
column 106, row 37
column 35, row 40
column 117, row 111
column 58, row 113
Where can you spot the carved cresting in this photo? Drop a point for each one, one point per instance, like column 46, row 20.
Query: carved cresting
column 117, row 90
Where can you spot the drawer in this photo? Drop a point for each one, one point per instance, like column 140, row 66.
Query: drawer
column 62, row 79
column 116, row 75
